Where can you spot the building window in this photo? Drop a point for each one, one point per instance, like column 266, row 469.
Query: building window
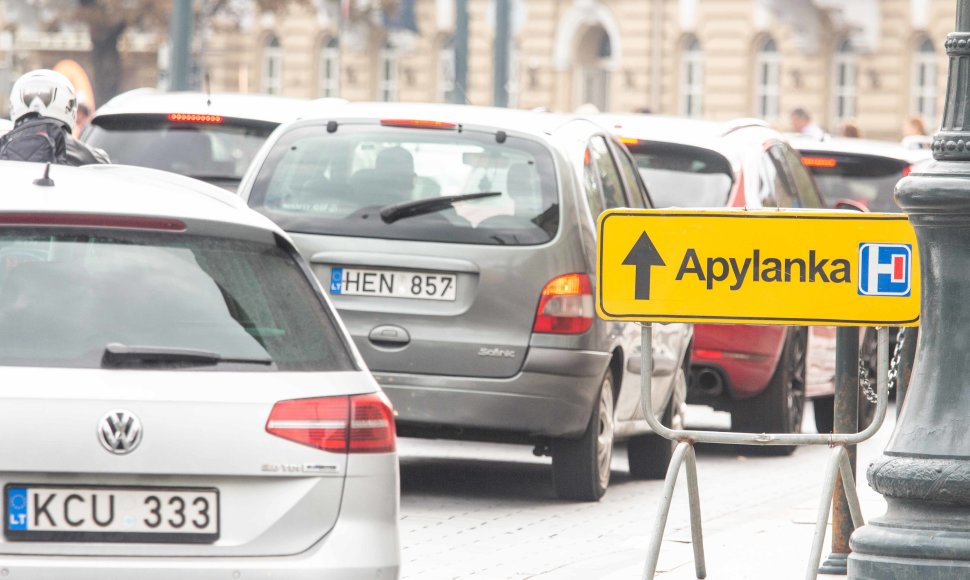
column 692, row 78
column 593, row 74
column 924, row 80
column 446, row 70
column 767, row 80
column 844, row 84
column 272, row 82
column 330, row 68
column 513, row 84
column 390, row 70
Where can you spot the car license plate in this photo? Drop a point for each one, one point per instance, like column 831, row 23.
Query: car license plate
column 110, row 514
column 393, row 283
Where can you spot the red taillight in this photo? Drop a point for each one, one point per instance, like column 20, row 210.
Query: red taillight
column 907, row 170
column 566, row 306
column 418, row 123
column 322, row 423
column 91, row 220
column 826, row 162
column 193, row 118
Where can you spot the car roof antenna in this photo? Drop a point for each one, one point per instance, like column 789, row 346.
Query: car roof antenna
column 45, row 181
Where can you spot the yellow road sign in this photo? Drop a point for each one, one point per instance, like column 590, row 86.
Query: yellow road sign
column 758, row 267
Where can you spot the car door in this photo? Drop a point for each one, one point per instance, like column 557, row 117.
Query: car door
column 612, row 172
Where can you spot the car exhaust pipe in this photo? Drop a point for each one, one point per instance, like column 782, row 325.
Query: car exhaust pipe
column 709, row 382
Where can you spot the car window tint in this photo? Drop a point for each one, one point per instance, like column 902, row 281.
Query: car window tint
column 608, row 174
column 868, row 179
column 637, row 193
column 592, row 185
column 802, row 182
column 208, row 150
column 315, row 181
column 682, row 175
column 64, row 296
column 775, row 190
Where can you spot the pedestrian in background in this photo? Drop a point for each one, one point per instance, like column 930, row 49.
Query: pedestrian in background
column 802, row 124
column 914, row 127
column 850, row 129
column 83, row 118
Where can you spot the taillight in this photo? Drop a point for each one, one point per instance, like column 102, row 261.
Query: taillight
column 629, row 141
column 907, row 170
column 566, row 306
column 323, row 423
column 825, row 162
column 194, row 118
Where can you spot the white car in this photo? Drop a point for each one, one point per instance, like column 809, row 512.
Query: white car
column 208, row 137
column 180, row 399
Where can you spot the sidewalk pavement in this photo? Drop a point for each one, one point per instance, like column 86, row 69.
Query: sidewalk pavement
column 772, row 543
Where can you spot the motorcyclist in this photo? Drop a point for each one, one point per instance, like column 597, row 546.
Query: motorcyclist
column 43, row 107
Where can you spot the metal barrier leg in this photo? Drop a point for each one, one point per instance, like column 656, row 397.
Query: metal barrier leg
column 683, row 450
column 851, row 494
column 824, row 505
column 694, row 495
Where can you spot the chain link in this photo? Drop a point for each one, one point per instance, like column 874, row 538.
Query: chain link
column 866, row 381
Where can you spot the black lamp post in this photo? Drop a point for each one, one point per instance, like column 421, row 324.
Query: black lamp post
column 924, row 473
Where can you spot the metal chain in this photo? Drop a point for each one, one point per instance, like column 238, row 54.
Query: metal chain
column 865, row 380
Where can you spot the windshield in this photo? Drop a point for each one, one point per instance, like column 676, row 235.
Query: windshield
column 683, row 176
column 213, row 151
column 65, row 296
column 867, row 179
column 336, row 183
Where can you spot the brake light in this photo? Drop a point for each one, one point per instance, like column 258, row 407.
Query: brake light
column 565, row 306
column 826, row 162
column 323, row 423
column 193, row 118
column 417, row 123
column 907, row 170
column 629, row 141
column 91, row 220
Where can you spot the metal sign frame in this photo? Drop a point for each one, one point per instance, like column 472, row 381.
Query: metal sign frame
column 684, row 454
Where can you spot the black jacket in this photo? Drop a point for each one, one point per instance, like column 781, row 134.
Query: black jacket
column 43, row 139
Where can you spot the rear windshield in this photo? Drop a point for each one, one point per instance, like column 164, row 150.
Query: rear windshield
column 337, row 184
column 683, row 176
column 211, row 151
column 64, row 296
column 867, row 179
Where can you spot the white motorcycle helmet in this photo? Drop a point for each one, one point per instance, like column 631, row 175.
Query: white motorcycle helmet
column 47, row 93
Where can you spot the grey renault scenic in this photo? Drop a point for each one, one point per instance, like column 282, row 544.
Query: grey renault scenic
column 458, row 245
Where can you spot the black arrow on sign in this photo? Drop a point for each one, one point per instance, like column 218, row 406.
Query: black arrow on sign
column 644, row 256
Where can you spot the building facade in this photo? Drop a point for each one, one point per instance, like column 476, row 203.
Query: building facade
column 872, row 61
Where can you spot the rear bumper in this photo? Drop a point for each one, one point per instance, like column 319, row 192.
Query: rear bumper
column 551, row 397
column 746, row 356
column 364, row 544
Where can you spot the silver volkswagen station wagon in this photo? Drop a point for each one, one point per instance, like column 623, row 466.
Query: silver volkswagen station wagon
column 180, row 400
column 458, row 244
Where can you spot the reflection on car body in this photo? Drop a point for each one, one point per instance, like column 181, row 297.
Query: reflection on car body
column 488, row 216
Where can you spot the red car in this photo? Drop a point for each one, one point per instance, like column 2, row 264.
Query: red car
column 762, row 375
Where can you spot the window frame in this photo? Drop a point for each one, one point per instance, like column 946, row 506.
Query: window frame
column 692, row 78
column 925, row 73
column 329, row 69
column 845, row 77
column 767, row 88
column 271, row 79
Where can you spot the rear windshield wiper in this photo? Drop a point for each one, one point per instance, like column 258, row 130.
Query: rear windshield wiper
column 392, row 213
column 118, row 355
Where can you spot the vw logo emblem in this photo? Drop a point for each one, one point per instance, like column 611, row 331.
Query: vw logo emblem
column 119, row 431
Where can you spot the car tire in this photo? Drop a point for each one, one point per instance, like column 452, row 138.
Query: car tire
column 649, row 455
column 824, row 407
column 780, row 407
column 581, row 467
